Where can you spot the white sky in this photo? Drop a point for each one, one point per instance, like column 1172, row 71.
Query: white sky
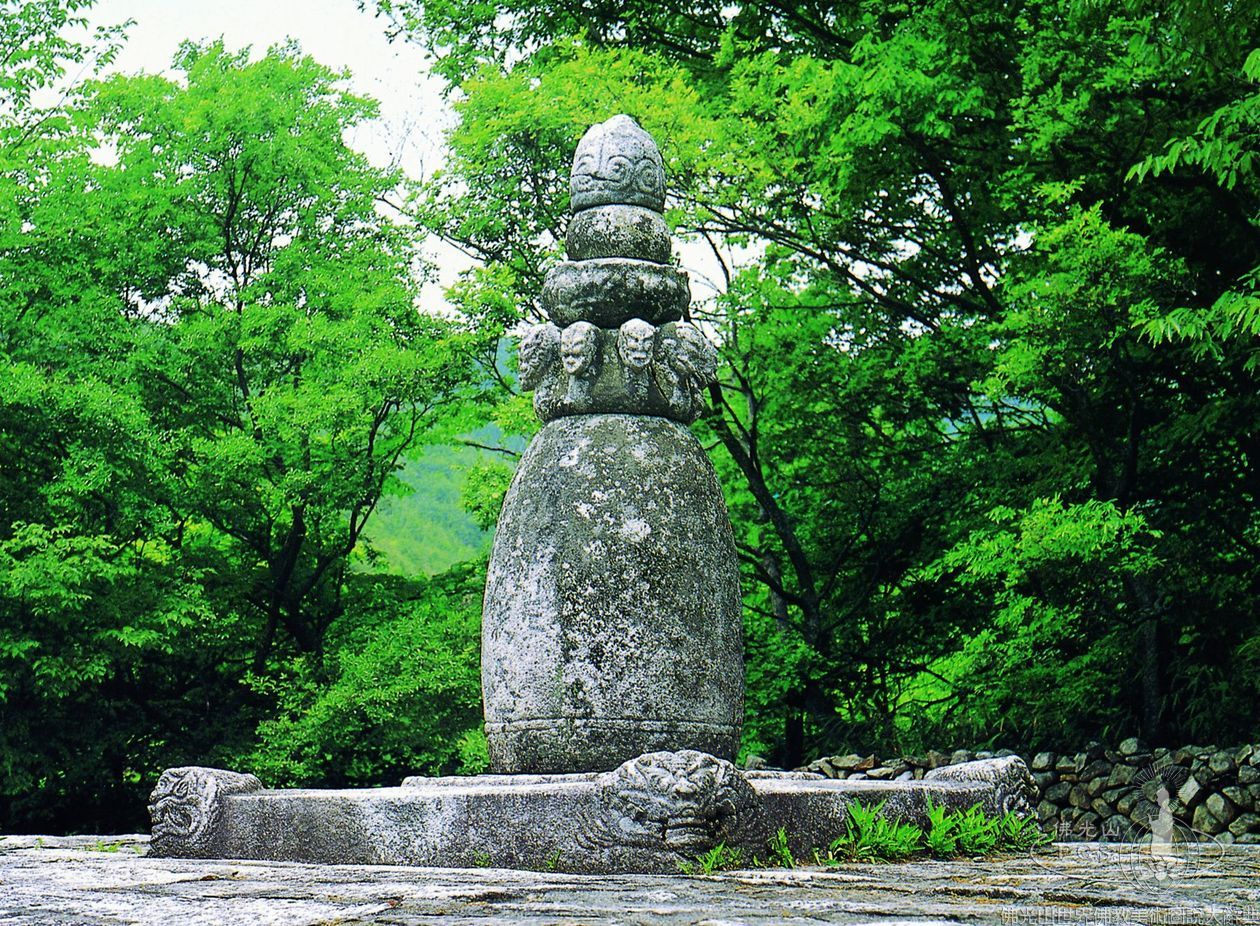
column 336, row 33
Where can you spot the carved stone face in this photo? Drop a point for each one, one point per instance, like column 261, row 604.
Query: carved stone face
column 186, row 805
column 579, row 347
column 690, row 353
column 635, row 342
column 683, row 801
column 539, row 349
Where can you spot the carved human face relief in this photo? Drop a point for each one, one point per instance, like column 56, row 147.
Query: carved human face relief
column 635, row 343
column 538, row 351
column 579, row 346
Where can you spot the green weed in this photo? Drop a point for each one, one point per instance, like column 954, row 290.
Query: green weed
column 780, row 854
column 720, row 858
column 869, row 836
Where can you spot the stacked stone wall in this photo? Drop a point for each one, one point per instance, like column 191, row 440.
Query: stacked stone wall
column 1114, row 795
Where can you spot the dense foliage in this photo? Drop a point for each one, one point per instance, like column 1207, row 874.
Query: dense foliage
column 986, row 284
column 988, row 312
column 211, row 363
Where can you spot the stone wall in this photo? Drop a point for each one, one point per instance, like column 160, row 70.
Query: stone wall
column 1120, row 794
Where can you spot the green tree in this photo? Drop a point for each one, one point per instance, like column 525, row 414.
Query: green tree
column 214, row 361
column 949, row 306
column 297, row 297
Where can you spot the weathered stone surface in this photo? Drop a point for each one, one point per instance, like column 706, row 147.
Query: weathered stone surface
column 1016, row 792
column 612, row 622
column 186, row 808
column 1058, row 793
column 1191, row 792
column 1222, row 763
column 1240, row 796
column 1098, row 768
column 651, row 813
column 1206, row 822
column 1122, row 775
column 848, row 763
column 638, row 369
column 616, row 162
column 1042, row 762
column 611, row 291
column 1132, row 747
column 1245, row 823
column 1221, row 807
column 65, row 883
column 618, row 231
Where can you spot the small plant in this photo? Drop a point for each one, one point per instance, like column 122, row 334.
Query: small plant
column 869, row 836
column 102, row 846
column 553, row 862
column 941, row 838
column 780, row 854
column 1020, row 833
column 720, row 858
column 977, row 833
column 481, row 859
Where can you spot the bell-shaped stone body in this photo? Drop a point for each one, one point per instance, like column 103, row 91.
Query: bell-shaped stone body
column 612, row 621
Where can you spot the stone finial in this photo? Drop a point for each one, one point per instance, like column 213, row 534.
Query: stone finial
column 617, row 163
column 185, row 808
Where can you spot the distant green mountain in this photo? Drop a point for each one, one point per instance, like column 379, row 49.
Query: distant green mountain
column 426, row 531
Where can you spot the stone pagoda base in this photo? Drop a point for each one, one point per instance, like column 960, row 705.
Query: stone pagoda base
column 649, row 815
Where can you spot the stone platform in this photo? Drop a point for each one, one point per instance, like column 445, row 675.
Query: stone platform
column 110, row 881
column 651, row 814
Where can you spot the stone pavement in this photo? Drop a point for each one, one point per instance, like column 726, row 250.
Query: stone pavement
column 108, row 881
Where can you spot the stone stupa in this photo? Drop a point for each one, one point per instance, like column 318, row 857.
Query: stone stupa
column 612, row 665
column 612, row 622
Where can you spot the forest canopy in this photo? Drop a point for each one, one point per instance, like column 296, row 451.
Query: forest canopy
column 987, row 300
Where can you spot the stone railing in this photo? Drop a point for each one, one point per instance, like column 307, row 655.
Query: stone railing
column 1121, row 794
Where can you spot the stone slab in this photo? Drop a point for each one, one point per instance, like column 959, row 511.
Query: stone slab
column 655, row 813
column 109, row 881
